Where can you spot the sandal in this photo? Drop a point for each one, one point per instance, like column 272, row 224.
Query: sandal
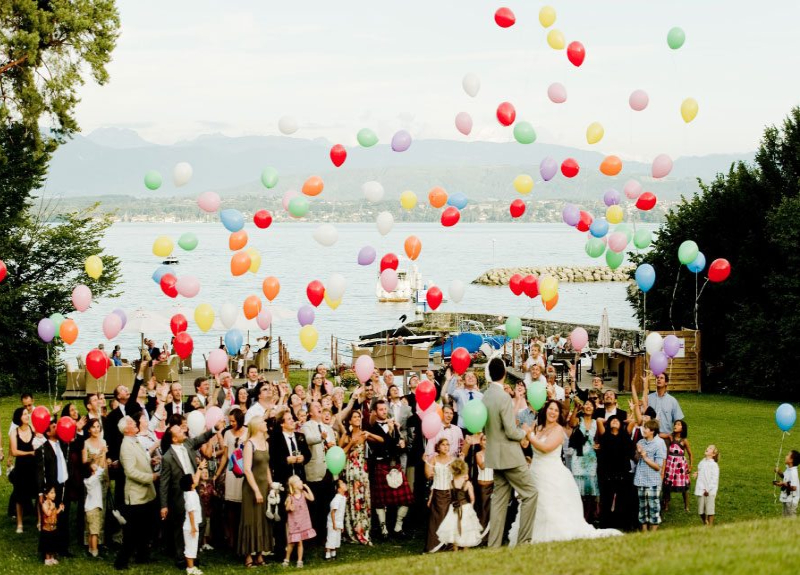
column 248, row 562
column 259, row 561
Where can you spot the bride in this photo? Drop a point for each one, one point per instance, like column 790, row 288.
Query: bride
column 559, row 509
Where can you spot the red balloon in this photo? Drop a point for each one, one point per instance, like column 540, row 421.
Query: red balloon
column 504, row 17
column 517, row 208
column 425, row 394
column 3, row 270
column 450, row 216
column 66, row 428
column 530, row 285
column 434, row 297
column 719, row 270
column 515, row 283
column 262, row 219
column 585, row 222
column 183, row 345
column 178, row 323
column 40, row 419
column 506, row 114
column 570, row 168
column 389, row 261
column 460, row 360
column 576, row 53
column 315, row 292
column 338, row 155
column 168, row 282
column 96, row 363
column 646, row 201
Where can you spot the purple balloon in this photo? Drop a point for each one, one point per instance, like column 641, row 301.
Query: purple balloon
column 401, row 141
column 611, row 198
column 658, row 363
column 305, row 315
column 366, row 256
column 571, row 215
column 672, row 345
column 548, row 168
column 121, row 313
column 46, row 329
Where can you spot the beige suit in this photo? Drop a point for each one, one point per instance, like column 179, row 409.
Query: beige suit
column 139, row 488
column 504, row 455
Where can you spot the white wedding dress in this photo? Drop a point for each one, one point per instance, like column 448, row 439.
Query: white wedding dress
column 559, row 508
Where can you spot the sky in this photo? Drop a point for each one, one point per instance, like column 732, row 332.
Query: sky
column 183, row 68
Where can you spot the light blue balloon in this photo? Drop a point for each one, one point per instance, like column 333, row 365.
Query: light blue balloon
column 599, row 228
column 233, row 341
column 698, row 265
column 232, row 220
column 457, row 200
column 645, row 277
column 159, row 273
column 785, row 416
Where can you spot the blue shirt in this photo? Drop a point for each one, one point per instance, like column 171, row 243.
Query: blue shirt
column 667, row 409
column 656, row 451
column 461, row 397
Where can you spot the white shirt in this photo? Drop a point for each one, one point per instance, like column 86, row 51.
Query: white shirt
column 338, row 504
column 94, row 490
column 183, row 457
column 790, row 477
column 290, row 437
column 61, row 462
column 452, row 434
column 255, row 410
column 191, row 502
column 177, row 407
column 529, row 379
column 560, row 393
column 707, row 477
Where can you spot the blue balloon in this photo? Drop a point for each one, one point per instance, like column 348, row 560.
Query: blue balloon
column 232, row 220
column 599, row 228
column 785, row 416
column 645, row 277
column 457, row 200
column 159, row 273
column 698, row 265
column 233, row 341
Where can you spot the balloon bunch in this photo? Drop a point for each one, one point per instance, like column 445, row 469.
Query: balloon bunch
column 545, row 286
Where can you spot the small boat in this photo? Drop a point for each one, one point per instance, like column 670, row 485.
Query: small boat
column 407, row 284
column 171, row 261
column 472, row 337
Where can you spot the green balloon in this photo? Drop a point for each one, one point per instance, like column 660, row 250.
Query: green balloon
column 298, row 206
column 57, row 320
column 366, row 138
column 537, row 395
column 642, row 239
column 152, row 180
column 334, row 459
column 524, row 133
column 513, row 327
column 269, row 177
column 595, row 247
column 188, row 241
column 676, row 37
column 614, row 259
column 625, row 229
column 475, row 415
column 687, row 252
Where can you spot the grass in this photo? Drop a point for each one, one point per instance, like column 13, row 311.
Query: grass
column 744, row 541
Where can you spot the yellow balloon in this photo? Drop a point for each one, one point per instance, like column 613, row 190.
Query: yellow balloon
column 255, row 259
column 614, row 214
column 333, row 304
column 408, row 200
column 595, row 132
column 163, row 246
column 93, row 267
column 523, row 184
column 308, row 337
column 547, row 16
column 548, row 287
column 555, row 39
column 204, row 317
column 689, row 109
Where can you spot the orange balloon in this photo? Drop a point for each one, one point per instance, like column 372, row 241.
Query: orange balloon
column 240, row 263
column 413, row 247
column 313, row 186
column 237, row 240
column 437, row 197
column 271, row 287
column 611, row 166
column 252, row 306
column 551, row 303
column 68, row 331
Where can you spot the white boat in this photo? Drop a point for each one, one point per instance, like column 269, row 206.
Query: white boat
column 407, row 284
column 171, row 261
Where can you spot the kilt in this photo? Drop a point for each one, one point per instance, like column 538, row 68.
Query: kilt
column 382, row 494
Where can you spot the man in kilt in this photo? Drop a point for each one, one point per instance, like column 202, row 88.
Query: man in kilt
column 384, row 465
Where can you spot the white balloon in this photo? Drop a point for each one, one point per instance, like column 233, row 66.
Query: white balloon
column 228, row 314
column 335, row 286
column 471, row 84
column 196, row 422
column 389, row 279
column 326, row 235
column 654, row 342
column 181, row 174
column 287, row 125
column 373, row 191
column 456, row 291
column 385, row 222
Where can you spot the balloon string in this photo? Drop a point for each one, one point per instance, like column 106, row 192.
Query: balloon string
column 777, row 462
column 697, row 299
column 674, row 291
column 49, row 384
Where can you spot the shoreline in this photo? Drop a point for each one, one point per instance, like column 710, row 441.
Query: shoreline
column 565, row 274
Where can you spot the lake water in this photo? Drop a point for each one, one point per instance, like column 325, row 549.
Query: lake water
column 290, row 253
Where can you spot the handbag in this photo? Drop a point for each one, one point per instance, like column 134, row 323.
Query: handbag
column 394, row 478
column 236, row 462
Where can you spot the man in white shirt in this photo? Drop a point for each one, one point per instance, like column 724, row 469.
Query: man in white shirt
column 225, row 393
column 201, row 389
column 175, row 404
column 534, row 374
column 263, row 404
column 462, row 396
column 450, row 432
column 319, row 438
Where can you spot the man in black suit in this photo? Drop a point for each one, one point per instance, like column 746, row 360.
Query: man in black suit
column 52, row 470
column 610, row 407
column 175, row 400
column 201, row 389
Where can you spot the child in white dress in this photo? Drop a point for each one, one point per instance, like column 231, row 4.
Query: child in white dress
column 461, row 526
column 336, row 520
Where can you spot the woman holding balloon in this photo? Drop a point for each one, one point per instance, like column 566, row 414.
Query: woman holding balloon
column 357, row 518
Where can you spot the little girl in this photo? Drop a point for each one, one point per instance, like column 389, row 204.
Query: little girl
column 336, row 520
column 47, row 536
column 676, row 475
column 298, row 522
column 461, row 527
column 707, row 476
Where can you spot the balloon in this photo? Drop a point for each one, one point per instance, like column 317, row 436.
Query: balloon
column 571, row 215
column 313, row 186
column 57, row 319
column 646, row 201
column 653, row 343
column 228, row 314
column 262, row 219
column 81, row 297
column 232, row 220
column 617, row 242
column 255, row 260
column 326, row 235
column 412, row 246
column 548, row 287
column 271, row 287
column 785, row 416
column 237, row 240
column 434, row 297
column 93, row 267
column 183, row 344
column 464, row 123
column 152, row 180
column 471, row 84
column 366, row 138
column 389, row 280
column 658, row 363
column 196, row 422
column 40, row 419
column 264, row 319
column 524, row 133
column 288, row 197
column 672, row 346
column 515, row 284
column 213, row 416
column 579, row 338
column 457, row 200
column 168, row 285
column 460, row 360
column 645, row 277
column 401, row 141
column 437, row 197
column 333, row 304
column 504, row 17
column 632, row 189
column 178, row 323
column 112, row 325
column 162, row 246
column 687, row 252
column 643, row 238
column 530, row 286
column 450, row 216
column 366, row 256
column 204, row 317
column 385, row 222
column 611, row 198
column 548, row 168
column 96, row 363
column 251, row 306
column 594, row 133
column 611, row 166
column 68, row 331
column 698, row 264
column 513, row 327
column 689, row 109
column 269, row 177
column 506, row 114
column 676, row 37
column 425, row 394
column 475, row 415
column 3, row 270
column 614, row 214
column 233, row 341
column 662, row 166
column 555, row 39
column 408, row 200
column 66, row 428
column 585, row 221
column 373, row 191
column 456, row 291
column 287, row 125
column 188, row 241
column 240, row 263
column 595, row 246
column 335, row 459
column 305, row 315
column 364, row 367
column 298, row 207
column 517, row 208
column 308, row 337
column 614, row 259
column 181, row 174
column 209, row 202
column 719, row 270
column 523, row 184
column 570, row 168
column 638, row 100
column 431, row 424
column 315, row 292
column 338, row 155
column 550, row 304
column 547, row 16
column 389, row 261
column 576, row 53
column 557, row 93
column 537, row 395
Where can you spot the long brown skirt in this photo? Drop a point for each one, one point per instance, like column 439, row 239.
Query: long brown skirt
column 440, row 503
column 483, row 497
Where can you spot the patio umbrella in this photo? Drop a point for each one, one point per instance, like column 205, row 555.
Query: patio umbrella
column 604, row 337
column 147, row 321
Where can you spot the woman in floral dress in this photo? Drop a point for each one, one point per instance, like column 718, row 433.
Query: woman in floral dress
column 357, row 520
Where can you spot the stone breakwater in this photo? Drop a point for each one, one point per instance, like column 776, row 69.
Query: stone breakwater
column 575, row 274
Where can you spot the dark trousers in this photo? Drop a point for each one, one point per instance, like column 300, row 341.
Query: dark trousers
column 135, row 534
column 62, row 522
column 318, row 509
column 617, row 508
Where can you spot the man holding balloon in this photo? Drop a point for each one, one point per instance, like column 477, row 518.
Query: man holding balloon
column 52, row 471
column 667, row 408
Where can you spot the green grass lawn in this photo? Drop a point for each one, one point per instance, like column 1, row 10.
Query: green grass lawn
column 742, row 542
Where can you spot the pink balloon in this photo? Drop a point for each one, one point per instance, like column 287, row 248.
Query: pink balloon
column 112, row 324
column 287, row 197
column 638, row 100
column 632, row 189
column 662, row 166
column 264, row 318
column 431, row 423
column 364, row 368
column 617, row 242
column 213, row 416
column 209, row 201
column 81, row 297
column 579, row 338
column 557, row 93
column 464, row 123
column 389, row 279
column 217, row 361
column 188, row 286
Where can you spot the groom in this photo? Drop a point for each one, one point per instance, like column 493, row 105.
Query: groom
column 504, row 455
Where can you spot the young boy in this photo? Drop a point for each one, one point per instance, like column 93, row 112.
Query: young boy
column 194, row 515
column 93, row 506
column 790, row 486
column 651, row 456
column 336, row 520
column 707, row 476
